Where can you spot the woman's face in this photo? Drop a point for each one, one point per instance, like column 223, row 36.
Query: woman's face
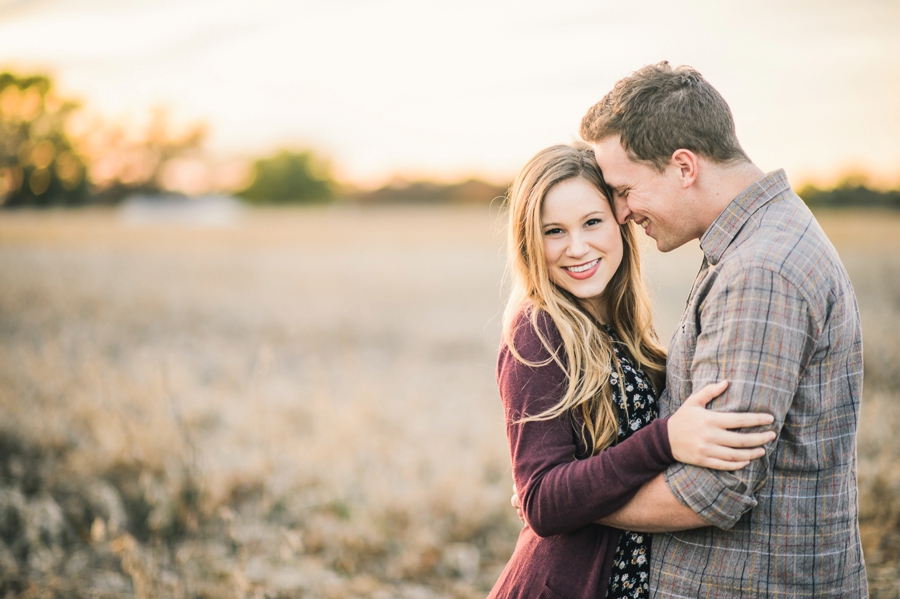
column 582, row 241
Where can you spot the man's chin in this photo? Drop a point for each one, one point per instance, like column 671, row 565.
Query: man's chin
column 665, row 246
column 664, row 243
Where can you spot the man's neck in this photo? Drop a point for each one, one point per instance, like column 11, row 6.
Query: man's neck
column 722, row 184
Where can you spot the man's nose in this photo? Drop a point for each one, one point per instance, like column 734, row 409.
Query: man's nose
column 622, row 211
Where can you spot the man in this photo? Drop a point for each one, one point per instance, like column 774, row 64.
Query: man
column 773, row 312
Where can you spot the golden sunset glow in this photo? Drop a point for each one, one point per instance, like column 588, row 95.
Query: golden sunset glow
column 401, row 87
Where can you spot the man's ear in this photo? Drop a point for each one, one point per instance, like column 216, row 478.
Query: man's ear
column 687, row 164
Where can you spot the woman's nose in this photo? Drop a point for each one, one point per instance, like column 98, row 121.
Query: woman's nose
column 577, row 246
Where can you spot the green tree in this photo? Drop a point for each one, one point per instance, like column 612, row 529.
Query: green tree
column 852, row 191
column 38, row 163
column 290, row 177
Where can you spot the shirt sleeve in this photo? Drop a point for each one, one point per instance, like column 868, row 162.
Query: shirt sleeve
column 560, row 493
column 755, row 331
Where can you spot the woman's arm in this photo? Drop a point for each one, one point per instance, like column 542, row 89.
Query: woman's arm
column 696, row 436
column 559, row 493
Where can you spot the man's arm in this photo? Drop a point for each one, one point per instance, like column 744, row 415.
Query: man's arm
column 754, row 331
column 654, row 509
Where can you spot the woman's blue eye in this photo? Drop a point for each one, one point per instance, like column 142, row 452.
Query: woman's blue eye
column 593, row 221
column 552, row 231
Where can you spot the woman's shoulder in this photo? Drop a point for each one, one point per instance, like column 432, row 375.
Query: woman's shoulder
column 530, row 326
column 531, row 331
column 531, row 374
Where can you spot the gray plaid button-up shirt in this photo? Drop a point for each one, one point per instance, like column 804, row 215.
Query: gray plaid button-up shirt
column 774, row 313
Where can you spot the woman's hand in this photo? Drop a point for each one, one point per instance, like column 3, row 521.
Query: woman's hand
column 702, row 437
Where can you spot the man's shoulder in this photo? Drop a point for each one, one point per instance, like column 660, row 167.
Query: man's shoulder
column 784, row 238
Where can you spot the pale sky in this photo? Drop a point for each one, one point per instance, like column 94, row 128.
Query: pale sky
column 412, row 87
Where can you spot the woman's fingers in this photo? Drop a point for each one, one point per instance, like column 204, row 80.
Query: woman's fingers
column 718, row 457
column 701, row 436
column 739, row 419
column 707, row 393
column 726, row 419
column 731, row 454
column 732, row 439
column 724, row 451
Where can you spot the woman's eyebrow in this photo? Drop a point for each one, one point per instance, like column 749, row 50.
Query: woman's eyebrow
column 600, row 212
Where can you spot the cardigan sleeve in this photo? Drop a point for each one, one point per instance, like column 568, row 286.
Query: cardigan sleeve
column 558, row 492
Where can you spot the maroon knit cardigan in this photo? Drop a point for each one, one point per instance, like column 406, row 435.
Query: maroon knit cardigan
column 561, row 553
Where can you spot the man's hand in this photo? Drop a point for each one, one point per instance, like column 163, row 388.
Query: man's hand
column 514, row 500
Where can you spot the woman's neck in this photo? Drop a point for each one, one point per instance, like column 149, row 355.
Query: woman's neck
column 595, row 308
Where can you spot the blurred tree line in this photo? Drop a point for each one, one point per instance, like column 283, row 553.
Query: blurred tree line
column 52, row 154
column 401, row 191
column 852, row 191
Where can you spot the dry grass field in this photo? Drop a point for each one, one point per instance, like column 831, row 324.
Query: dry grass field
column 303, row 404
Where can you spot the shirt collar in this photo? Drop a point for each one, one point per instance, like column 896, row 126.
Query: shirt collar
column 725, row 228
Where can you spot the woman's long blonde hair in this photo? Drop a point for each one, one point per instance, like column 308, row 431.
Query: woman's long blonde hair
column 587, row 348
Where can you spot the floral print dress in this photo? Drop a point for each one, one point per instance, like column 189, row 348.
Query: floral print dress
column 637, row 407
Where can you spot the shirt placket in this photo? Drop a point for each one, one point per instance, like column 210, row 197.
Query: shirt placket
column 701, row 274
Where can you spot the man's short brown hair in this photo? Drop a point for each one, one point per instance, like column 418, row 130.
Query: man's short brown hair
column 659, row 109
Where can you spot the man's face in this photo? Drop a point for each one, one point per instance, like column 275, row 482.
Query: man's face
column 652, row 199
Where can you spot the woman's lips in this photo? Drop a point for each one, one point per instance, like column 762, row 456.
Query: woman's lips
column 593, row 265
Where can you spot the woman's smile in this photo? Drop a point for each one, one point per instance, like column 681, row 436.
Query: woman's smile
column 583, row 271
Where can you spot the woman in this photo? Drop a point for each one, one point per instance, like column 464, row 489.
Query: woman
column 579, row 373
